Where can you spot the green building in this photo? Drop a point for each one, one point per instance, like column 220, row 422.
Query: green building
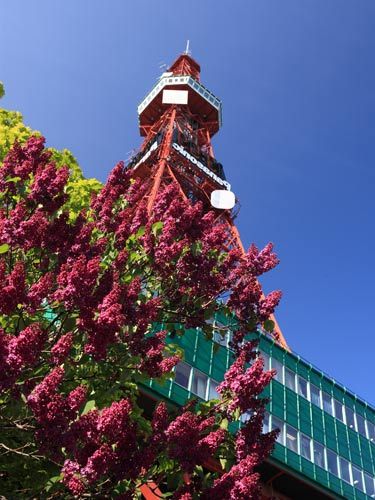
column 326, row 447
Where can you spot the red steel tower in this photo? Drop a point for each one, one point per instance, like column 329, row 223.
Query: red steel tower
column 178, row 119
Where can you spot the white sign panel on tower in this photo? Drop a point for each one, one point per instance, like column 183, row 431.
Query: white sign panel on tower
column 175, row 96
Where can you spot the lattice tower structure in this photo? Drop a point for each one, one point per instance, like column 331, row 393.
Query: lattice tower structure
column 178, row 119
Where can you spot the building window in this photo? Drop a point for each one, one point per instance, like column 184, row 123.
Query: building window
column 315, row 395
column 291, row 437
column 345, row 470
column 357, row 479
column 327, row 403
column 350, row 419
column 371, row 431
column 245, row 417
column 221, row 333
column 338, row 410
column 302, row 387
column 278, row 424
column 332, row 463
column 266, row 423
column 199, row 384
column 183, row 374
column 306, row 447
column 369, row 485
column 212, row 392
column 319, row 457
column 276, row 365
column 290, row 379
column 266, row 360
column 361, row 424
column 220, row 338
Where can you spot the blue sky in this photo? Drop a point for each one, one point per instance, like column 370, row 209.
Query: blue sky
column 297, row 81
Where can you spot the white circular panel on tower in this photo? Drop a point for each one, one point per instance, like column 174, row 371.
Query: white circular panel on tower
column 221, row 198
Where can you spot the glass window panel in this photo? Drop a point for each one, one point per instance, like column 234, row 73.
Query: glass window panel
column 220, row 338
column 361, row 425
column 350, row 417
column 199, row 384
column 230, row 337
column 279, row 369
column 246, row 416
column 183, row 374
column 338, row 410
column 212, row 393
column 369, row 485
column 302, row 387
column 266, row 422
column 278, row 424
column 344, row 468
column 371, row 430
column 290, row 379
column 327, row 403
column 315, row 394
column 357, row 478
column 266, row 360
column 291, row 436
column 319, row 455
column 332, row 462
column 306, row 447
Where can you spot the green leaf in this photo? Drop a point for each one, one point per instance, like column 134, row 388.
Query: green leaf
column 52, row 481
column 269, row 325
column 13, row 179
column 4, row 248
column 157, row 227
column 196, row 248
column 224, row 424
column 141, row 231
column 223, row 462
column 88, row 406
column 134, row 256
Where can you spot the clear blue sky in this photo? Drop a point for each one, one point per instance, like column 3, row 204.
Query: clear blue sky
column 297, row 80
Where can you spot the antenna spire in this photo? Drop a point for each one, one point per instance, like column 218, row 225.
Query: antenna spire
column 187, row 51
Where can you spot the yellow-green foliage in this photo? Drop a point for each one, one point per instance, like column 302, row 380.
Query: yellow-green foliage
column 79, row 189
column 12, row 128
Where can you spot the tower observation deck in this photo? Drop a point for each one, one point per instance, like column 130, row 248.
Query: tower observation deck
column 326, row 448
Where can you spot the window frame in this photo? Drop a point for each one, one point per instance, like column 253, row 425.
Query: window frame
column 300, row 378
column 189, row 377
column 319, row 395
column 287, row 427
column 332, row 453
column 331, row 411
column 344, row 460
column 352, row 426
column 195, row 370
column 324, row 455
column 289, row 371
column 302, row 436
column 211, row 381
column 336, row 401
column 362, row 483
column 281, row 437
column 279, row 373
